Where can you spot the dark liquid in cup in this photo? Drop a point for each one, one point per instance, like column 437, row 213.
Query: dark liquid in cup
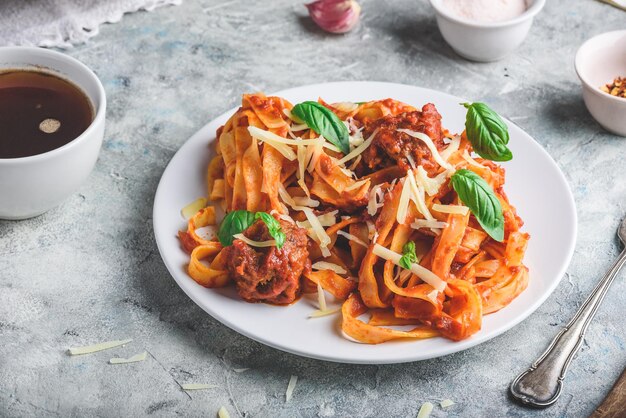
column 39, row 112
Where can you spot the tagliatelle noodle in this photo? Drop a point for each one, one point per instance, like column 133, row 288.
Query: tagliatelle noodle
column 359, row 219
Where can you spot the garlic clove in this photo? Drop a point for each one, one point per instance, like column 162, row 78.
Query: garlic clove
column 335, row 16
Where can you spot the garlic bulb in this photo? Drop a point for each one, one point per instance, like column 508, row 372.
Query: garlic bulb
column 335, row 16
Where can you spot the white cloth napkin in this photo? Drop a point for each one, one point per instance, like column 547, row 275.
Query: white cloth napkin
column 63, row 23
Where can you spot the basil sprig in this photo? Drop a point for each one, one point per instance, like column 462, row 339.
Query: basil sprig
column 487, row 132
column 237, row 221
column 481, row 200
column 324, row 122
column 273, row 227
column 408, row 255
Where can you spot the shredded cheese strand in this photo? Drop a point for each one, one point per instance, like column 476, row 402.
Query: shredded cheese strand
column 425, row 410
column 316, row 226
column 431, row 146
column 260, row 244
column 133, row 359
column 428, row 223
column 319, row 313
column 325, row 265
column 290, row 387
column 223, row 413
column 454, row 209
column 191, row 209
column 76, row 351
column 356, row 185
column 321, row 298
column 358, row 150
column 452, row 147
column 197, row 386
column 421, row 272
column 446, row 403
column 418, row 197
column 306, row 201
column 352, row 238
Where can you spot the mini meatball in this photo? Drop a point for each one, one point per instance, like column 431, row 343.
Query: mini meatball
column 269, row 274
column 391, row 147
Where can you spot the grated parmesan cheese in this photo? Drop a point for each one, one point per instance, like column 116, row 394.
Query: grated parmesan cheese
column 352, row 238
column 298, row 127
column 411, row 161
column 421, row 272
column 331, row 147
column 281, row 144
column 197, row 386
column 321, row 297
column 316, row 227
column 314, row 152
column 454, row 209
column 191, row 209
column 453, row 146
column 274, row 141
column 425, row 410
column 446, row 403
column 403, row 204
column 223, row 413
column 291, row 116
column 306, row 201
column 133, row 359
column 470, row 160
column 324, row 265
column 430, row 144
column 76, row 351
column 319, row 313
column 290, row 387
column 428, row 223
column 260, row 244
column 356, row 162
column 431, row 185
column 372, row 204
column 345, row 106
column 359, row 150
column 356, row 185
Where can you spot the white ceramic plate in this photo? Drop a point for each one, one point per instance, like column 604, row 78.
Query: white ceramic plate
column 534, row 184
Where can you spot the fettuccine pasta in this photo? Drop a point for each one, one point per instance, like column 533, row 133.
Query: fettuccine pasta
column 371, row 210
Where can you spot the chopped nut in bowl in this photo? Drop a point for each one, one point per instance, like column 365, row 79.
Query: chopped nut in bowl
column 601, row 67
column 616, row 88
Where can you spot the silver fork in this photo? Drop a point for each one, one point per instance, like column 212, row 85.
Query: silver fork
column 541, row 385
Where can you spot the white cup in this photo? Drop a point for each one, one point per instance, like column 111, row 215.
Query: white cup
column 30, row 186
column 484, row 41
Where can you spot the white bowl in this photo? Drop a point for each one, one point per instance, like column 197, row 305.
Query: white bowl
column 30, row 186
column 484, row 41
column 598, row 62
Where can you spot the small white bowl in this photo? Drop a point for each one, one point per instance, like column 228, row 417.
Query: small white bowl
column 598, row 62
column 30, row 186
column 484, row 41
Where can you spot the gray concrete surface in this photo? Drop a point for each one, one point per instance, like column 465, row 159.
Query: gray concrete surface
column 89, row 270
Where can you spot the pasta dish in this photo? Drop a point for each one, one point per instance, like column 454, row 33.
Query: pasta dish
column 374, row 203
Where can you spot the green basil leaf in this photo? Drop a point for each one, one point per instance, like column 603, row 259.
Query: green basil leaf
column 487, row 132
column 234, row 222
column 273, row 227
column 476, row 194
column 324, row 122
column 408, row 255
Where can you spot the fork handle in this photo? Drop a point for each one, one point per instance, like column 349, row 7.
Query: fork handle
column 540, row 385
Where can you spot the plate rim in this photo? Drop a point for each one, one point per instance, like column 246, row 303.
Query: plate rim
column 447, row 350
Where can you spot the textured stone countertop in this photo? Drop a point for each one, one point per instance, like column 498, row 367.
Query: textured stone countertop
column 89, row 270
